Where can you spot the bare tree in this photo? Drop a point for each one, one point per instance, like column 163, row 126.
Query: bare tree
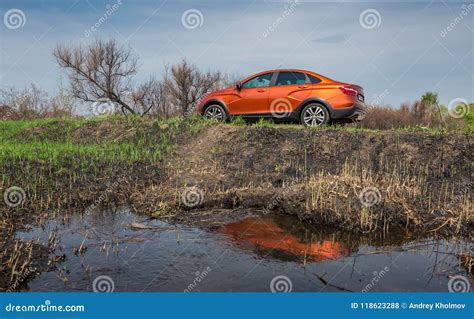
column 187, row 84
column 103, row 70
column 152, row 98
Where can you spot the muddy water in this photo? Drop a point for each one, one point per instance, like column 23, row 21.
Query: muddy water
column 244, row 256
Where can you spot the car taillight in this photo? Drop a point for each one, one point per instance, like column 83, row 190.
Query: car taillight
column 349, row 90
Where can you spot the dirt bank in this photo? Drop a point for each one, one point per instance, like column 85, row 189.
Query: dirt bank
column 359, row 180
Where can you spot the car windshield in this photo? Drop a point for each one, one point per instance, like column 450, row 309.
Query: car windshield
column 258, row 81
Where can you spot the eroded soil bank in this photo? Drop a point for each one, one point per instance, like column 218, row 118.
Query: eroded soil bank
column 202, row 174
column 354, row 180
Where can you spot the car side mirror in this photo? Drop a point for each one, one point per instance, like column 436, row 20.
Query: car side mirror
column 238, row 86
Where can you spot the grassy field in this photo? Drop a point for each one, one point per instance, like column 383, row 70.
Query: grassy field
column 51, row 140
column 42, row 155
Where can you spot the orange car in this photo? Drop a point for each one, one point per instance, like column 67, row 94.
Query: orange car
column 295, row 95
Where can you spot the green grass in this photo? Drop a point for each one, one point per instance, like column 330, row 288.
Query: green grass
column 469, row 121
column 55, row 144
column 238, row 120
column 76, row 157
column 265, row 123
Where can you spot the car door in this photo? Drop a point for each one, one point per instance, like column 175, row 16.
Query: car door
column 252, row 98
column 289, row 90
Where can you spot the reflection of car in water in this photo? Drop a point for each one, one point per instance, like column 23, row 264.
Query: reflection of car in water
column 264, row 233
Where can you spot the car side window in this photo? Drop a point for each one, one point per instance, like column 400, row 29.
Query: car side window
column 291, row 78
column 313, row 79
column 258, row 81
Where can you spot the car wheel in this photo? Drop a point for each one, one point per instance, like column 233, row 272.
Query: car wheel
column 215, row 112
column 314, row 114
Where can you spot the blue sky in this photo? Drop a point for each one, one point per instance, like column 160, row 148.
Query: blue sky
column 405, row 52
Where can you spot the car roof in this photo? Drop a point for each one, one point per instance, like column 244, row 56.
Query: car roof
column 288, row 70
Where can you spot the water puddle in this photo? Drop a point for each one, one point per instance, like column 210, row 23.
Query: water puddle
column 141, row 254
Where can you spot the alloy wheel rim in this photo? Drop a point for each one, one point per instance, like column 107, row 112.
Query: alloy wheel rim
column 314, row 116
column 214, row 113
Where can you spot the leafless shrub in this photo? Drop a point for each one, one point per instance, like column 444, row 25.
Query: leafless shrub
column 152, row 98
column 63, row 104
column 33, row 102
column 187, row 84
column 28, row 103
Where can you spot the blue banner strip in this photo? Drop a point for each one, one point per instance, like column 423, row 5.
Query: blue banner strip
column 237, row 305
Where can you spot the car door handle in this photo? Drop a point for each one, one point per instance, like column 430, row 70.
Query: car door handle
column 303, row 86
column 261, row 90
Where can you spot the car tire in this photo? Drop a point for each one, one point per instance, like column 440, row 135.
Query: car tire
column 314, row 114
column 215, row 112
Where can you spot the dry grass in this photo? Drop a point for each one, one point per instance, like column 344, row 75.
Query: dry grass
column 385, row 200
column 413, row 115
